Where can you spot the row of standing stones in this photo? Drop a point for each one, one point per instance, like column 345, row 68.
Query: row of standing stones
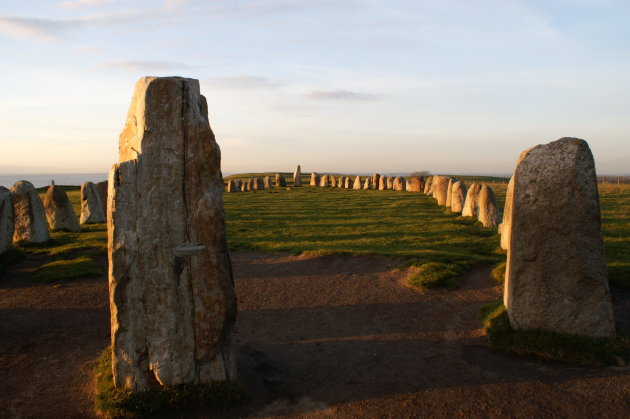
column 25, row 218
column 172, row 299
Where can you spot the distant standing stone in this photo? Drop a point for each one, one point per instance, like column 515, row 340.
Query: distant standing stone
column 297, row 176
column 470, row 205
column 250, row 184
column 399, row 183
column 415, row 184
column 6, row 219
column 231, row 186
column 375, row 179
column 341, row 181
column 268, row 182
column 390, row 182
column 366, row 184
column 505, row 228
column 258, row 183
column 458, row 196
column 382, row 183
column 348, row 183
column 556, row 276
column 59, row 211
column 439, row 188
column 102, row 192
column 449, row 191
column 427, row 185
column 487, row 209
column 244, row 187
column 280, row 182
column 91, row 204
column 324, row 181
column 28, row 214
column 333, row 181
column 314, row 179
column 357, row 183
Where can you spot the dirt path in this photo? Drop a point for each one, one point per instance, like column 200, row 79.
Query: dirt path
column 331, row 336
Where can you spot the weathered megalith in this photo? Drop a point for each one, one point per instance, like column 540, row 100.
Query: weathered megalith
column 505, row 226
column 6, row 219
column 238, row 184
column 427, row 185
column 556, row 275
column 314, row 179
column 357, row 183
column 348, row 183
column 232, row 186
column 341, row 181
column 390, row 182
column 415, row 184
column 439, row 188
column 267, row 182
column 29, row 216
column 244, row 187
column 91, row 204
column 470, row 204
column 172, row 299
column 259, row 184
column 333, row 181
column 458, row 196
column 280, row 182
column 59, row 211
column 382, row 183
column 250, row 184
column 487, row 209
column 102, row 193
column 366, row 184
column 375, row 179
column 297, row 176
column 399, row 183
column 324, row 181
column 449, row 191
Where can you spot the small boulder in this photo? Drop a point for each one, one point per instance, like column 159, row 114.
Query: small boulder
column 28, row 214
column 59, row 211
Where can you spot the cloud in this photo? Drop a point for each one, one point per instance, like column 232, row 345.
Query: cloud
column 76, row 4
column 144, row 66
column 243, row 82
column 38, row 29
column 342, row 95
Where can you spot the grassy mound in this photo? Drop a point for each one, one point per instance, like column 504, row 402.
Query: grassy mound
column 550, row 346
column 113, row 402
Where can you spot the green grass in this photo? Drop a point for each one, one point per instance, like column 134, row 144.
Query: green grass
column 437, row 275
column 65, row 269
column 498, row 272
column 550, row 346
column 113, row 402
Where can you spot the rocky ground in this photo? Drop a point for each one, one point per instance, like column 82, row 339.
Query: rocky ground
column 317, row 336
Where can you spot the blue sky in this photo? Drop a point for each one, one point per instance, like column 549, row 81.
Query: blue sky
column 344, row 86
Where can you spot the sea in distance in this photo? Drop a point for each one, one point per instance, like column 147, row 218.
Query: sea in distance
column 43, row 179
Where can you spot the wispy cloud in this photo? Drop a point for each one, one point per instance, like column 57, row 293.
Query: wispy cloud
column 77, row 4
column 144, row 66
column 36, row 29
column 243, row 82
column 342, row 95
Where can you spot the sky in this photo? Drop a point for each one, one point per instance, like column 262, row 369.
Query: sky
column 336, row 86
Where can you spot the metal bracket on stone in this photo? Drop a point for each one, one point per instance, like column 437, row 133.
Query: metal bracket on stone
column 188, row 249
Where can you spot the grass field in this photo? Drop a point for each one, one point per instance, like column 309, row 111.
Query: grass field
column 331, row 220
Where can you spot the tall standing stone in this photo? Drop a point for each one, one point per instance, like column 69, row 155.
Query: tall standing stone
column 102, row 193
column 487, row 209
column 390, row 182
column 470, row 205
column 382, row 183
column 505, row 228
column 427, row 185
column 375, row 179
column 341, row 181
column 173, row 306
column 244, row 187
column 449, row 191
column 366, row 184
column 348, row 183
column 324, row 181
column 297, row 176
column 556, row 270
column 458, row 196
column 231, row 186
column 333, row 181
column 91, row 204
column 28, row 214
column 280, row 182
column 439, row 188
column 357, row 183
column 267, row 182
column 314, row 179
column 59, row 211
column 6, row 219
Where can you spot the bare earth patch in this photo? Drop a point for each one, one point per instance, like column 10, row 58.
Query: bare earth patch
column 317, row 336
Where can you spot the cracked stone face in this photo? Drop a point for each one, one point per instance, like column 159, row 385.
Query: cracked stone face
column 172, row 299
